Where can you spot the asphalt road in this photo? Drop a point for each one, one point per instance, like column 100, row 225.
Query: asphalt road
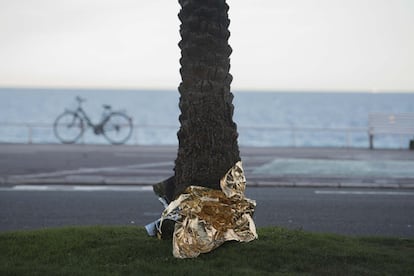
column 114, row 165
column 384, row 212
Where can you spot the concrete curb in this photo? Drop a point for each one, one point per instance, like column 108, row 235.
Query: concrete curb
column 334, row 185
column 131, row 181
column 62, row 181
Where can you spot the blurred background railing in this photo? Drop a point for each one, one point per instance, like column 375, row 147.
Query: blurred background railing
column 261, row 136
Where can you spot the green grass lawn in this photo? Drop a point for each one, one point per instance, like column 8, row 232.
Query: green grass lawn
column 129, row 251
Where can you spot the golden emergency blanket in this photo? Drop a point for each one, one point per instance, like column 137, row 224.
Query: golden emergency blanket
column 206, row 218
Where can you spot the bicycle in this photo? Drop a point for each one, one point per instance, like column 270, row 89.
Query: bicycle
column 115, row 126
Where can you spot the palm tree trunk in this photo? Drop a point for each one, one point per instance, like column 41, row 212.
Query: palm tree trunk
column 207, row 137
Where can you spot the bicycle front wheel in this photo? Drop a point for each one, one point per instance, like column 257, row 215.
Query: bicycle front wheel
column 68, row 127
column 118, row 128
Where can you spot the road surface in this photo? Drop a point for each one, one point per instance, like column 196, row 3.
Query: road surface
column 384, row 212
column 338, row 190
column 114, row 165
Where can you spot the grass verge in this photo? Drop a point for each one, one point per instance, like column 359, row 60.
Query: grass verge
column 129, row 251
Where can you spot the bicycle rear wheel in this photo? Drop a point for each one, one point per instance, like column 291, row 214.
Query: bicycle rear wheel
column 118, row 128
column 68, row 127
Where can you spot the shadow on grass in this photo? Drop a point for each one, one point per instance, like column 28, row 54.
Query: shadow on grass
column 128, row 250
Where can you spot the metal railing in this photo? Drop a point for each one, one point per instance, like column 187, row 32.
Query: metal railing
column 293, row 133
column 28, row 126
column 386, row 123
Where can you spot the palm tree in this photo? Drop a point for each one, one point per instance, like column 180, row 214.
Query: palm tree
column 207, row 137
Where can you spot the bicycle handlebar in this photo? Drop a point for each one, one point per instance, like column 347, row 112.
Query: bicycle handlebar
column 80, row 100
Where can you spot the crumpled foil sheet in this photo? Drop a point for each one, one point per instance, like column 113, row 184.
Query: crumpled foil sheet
column 206, row 218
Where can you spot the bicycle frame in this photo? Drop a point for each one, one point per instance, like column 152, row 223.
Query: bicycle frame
column 97, row 128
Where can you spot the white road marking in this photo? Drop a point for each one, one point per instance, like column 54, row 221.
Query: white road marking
column 93, row 170
column 67, row 188
column 390, row 193
column 152, row 214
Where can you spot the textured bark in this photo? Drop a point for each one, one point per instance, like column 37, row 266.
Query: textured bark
column 208, row 136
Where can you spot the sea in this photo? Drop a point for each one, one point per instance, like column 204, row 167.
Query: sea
column 264, row 119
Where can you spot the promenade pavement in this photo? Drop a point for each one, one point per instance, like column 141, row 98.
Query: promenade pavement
column 56, row 164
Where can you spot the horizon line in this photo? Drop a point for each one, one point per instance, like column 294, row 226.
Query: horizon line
column 234, row 90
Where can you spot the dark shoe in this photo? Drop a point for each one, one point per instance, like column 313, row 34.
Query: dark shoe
column 167, row 229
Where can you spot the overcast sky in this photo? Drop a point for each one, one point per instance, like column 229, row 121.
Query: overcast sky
column 331, row 45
